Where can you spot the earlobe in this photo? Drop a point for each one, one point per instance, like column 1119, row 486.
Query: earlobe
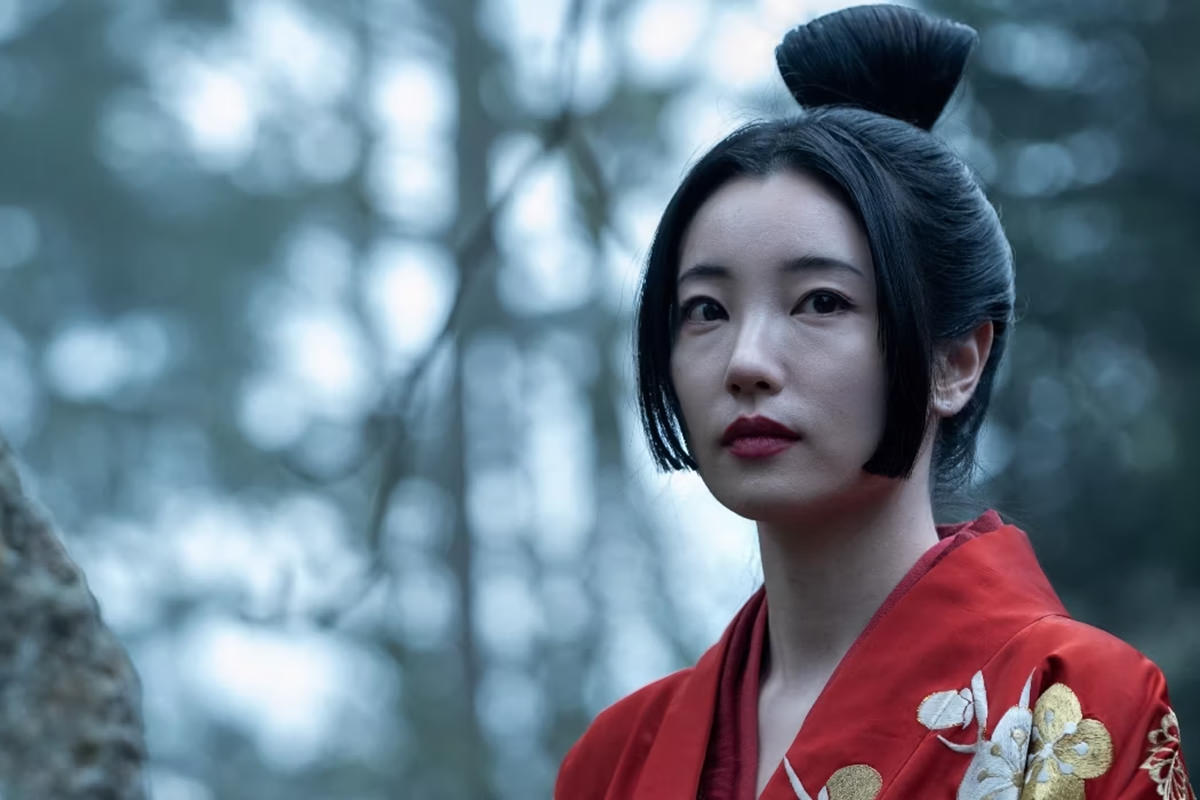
column 959, row 366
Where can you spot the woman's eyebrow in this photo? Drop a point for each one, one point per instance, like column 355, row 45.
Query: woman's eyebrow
column 805, row 263
column 702, row 271
column 814, row 262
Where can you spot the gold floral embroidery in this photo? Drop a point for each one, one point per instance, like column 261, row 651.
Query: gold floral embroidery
column 1066, row 749
column 1164, row 763
column 855, row 782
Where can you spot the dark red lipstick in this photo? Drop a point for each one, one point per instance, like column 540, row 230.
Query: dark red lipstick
column 757, row 437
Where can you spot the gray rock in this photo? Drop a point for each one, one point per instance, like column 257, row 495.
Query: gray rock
column 70, row 700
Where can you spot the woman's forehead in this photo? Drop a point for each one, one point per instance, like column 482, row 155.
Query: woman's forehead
column 774, row 219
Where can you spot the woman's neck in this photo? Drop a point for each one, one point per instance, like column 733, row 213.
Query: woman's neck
column 826, row 579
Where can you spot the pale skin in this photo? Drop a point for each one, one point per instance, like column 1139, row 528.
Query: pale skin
column 778, row 298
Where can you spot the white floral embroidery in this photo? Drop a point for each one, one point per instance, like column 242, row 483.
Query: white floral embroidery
column 798, row 787
column 997, row 768
column 1163, row 761
column 1041, row 754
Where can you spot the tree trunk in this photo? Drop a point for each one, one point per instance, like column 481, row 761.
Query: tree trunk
column 70, row 701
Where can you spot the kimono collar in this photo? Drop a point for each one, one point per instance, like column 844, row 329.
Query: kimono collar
column 962, row 600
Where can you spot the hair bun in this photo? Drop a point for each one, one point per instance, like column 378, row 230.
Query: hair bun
column 888, row 59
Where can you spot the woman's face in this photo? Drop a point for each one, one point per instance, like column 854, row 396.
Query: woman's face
column 776, row 292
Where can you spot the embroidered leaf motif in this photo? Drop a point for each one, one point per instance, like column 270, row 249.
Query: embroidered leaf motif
column 1164, row 762
column 855, row 782
column 946, row 709
column 949, row 708
column 979, row 692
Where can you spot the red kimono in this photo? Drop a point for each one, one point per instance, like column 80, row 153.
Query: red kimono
column 971, row 681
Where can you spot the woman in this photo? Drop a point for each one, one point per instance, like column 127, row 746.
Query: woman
column 824, row 307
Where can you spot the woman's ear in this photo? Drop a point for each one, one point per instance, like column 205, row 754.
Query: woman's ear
column 960, row 364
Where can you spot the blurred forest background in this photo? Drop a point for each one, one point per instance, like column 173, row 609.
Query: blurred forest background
column 314, row 339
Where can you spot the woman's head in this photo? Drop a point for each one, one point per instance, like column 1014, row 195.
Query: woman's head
column 776, row 361
column 873, row 80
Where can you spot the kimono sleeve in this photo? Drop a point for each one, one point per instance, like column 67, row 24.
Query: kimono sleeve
column 590, row 765
column 576, row 778
column 1162, row 775
column 1152, row 766
column 1103, row 728
column 605, row 762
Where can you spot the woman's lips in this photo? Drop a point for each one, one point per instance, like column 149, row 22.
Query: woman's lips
column 757, row 437
column 759, row 446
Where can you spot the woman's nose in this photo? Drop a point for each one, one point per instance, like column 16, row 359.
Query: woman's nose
column 754, row 365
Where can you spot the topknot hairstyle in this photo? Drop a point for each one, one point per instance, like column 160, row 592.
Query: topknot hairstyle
column 887, row 59
column 872, row 81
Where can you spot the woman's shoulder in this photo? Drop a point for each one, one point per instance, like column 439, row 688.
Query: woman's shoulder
column 1098, row 668
column 623, row 732
column 1091, row 686
column 1082, row 704
column 1070, row 648
column 641, row 709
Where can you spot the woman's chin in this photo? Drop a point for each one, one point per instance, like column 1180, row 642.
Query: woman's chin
column 765, row 505
column 794, row 502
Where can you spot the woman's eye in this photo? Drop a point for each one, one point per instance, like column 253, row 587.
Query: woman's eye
column 701, row 309
column 822, row 302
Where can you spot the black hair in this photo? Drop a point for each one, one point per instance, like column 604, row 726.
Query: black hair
column 872, row 81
